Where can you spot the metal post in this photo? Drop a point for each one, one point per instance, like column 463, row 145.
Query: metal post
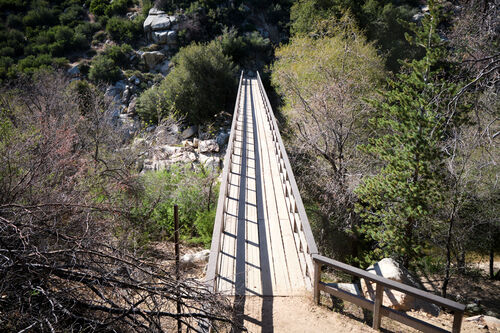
column 177, row 258
column 379, row 294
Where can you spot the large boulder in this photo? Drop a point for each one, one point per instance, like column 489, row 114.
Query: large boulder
column 390, row 269
column 151, row 59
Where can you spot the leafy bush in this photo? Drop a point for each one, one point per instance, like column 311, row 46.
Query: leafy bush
column 119, row 54
column 72, row 15
column 98, row 7
column 88, row 29
column 31, row 64
column 40, row 17
column 117, row 7
column 124, row 30
column 193, row 191
column 15, row 21
column 202, row 83
column 104, row 69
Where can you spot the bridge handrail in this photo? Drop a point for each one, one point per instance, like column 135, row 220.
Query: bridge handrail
column 376, row 306
column 213, row 261
column 298, row 206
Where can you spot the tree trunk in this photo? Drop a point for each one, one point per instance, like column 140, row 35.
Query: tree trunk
column 492, row 261
column 448, row 260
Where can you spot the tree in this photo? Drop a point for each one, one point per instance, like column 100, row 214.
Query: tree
column 324, row 82
column 398, row 204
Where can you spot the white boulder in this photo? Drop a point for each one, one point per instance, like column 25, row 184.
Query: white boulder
column 390, row 269
column 193, row 259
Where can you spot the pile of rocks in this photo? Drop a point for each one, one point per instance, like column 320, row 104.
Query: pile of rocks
column 161, row 28
column 168, row 144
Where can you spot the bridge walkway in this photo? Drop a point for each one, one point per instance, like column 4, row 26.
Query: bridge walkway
column 258, row 253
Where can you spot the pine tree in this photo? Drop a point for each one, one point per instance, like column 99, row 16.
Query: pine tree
column 397, row 204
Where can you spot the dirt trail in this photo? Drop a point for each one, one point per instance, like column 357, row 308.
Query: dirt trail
column 300, row 314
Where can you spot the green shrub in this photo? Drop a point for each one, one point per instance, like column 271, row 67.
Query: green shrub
column 117, row 7
column 40, row 17
column 99, row 36
column 15, row 22
column 195, row 194
column 202, row 83
column 104, row 69
column 119, row 54
column 98, row 7
column 72, row 15
column 31, row 64
column 88, row 29
column 124, row 30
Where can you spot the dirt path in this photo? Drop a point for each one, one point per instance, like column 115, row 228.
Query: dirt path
column 299, row 314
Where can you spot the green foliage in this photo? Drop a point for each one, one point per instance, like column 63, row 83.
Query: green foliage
column 124, row 30
column 202, row 83
column 31, row 64
column 72, row 15
column 384, row 22
column 41, row 17
column 398, row 204
column 117, row 7
column 119, row 54
column 250, row 50
column 104, row 69
column 193, row 191
column 98, row 7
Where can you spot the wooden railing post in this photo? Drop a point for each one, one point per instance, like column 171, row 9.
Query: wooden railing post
column 317, row 278
column 379, row 295
column 457, row 321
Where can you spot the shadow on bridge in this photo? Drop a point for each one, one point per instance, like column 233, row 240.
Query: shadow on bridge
column 250, row 144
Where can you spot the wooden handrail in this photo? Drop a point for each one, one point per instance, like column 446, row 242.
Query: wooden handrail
column 213, row 260
column 289, row 180
column 378, row 309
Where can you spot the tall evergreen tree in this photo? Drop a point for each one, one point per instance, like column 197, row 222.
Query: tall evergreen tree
column 398, row 203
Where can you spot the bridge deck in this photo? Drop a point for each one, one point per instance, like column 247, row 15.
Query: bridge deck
column 258, row 252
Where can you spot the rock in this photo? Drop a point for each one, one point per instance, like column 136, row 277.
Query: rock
column 222, row 138
column 164, row 67
column 210, row 162
column 132, row 15
column 352, row 288
column 155, row 11
column 126, row 95
column 208, row 146
column 492, row 323
column 160, row 37
column 473, row 308
column 151, row 59
column 132, row 105
column 158, row 22
column 187, row 144
column 74, row 71
column 189, row 132
column 193, row 259
column 390, row 269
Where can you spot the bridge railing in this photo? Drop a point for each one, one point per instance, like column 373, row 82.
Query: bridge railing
column 215, row 249
column 376, row 306
column 314, row 262
column 304, row 239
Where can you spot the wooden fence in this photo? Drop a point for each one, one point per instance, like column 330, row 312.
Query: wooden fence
column 376, row 306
